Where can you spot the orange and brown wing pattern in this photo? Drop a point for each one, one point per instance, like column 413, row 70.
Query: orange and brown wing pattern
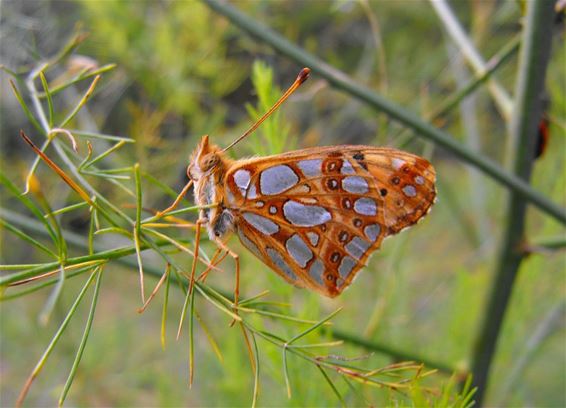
column 316, row 215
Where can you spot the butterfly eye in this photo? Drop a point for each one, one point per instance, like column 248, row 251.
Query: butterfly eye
column 209, row 161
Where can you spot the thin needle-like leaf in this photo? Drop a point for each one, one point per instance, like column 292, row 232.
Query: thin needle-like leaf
column 216, row 304
column 317, row 345
column 85, row 74
column 286, row 373
column 67, row 209
column 164, row 311
column 84, row 339
column 137, row 227
column 253, row 298
column 53, row 297
column 25, row 108
column 183, row 313
column 248, row 346
column 191, row 339
column 154, row 292
column 48, row 96
column 256, row 371
column 107, row 174
column 37, row 369
column 276, row 315
column 36, row 273
column 17, row 267
column 81, row 103
column 105, row 154
column 101, row 136
column 332, row 386
column 210, row 338
column 21, row 293
column 26, row 237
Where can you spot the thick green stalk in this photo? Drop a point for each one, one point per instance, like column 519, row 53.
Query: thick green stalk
column 423, row 129
column 533, row 60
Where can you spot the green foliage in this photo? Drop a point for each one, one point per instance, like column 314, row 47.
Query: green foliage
column 274, row 134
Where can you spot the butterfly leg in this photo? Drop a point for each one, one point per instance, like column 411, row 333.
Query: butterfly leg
column 213, row 263
column 177, row 200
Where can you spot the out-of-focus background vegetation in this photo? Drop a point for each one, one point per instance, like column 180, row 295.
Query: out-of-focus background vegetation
column 184, row 71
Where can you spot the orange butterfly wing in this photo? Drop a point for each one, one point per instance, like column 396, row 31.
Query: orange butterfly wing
column 316, row 215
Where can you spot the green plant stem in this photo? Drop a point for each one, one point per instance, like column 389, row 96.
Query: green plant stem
column 424, row 129
column 535, row 52
column 78, row 242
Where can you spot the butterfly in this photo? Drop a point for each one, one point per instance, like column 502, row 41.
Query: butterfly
column 315, row 215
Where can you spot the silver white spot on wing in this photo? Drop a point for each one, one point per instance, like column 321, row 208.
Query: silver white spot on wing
column 249, row 244
column 410, row 191
column 299, row 250
column 259, row 204
column 355, row 185
column 397, row 163
column 262, row 224
column 372, row 231
column 310, row 168
column 277, row 179
column 305, row 215
column 272, row 209
column 278, row 260
column 347, row 168
column 313, row 238
column 346, row 266
column 357, row 247
column 316, row 271
column 365, row 206
column 252, row 193
column 302, row 189
column 242, row 180
column 419, row 180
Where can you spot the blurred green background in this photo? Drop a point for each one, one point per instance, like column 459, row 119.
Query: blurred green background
column 183, row 71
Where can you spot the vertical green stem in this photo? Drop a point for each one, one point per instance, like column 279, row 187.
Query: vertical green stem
column 535, row 52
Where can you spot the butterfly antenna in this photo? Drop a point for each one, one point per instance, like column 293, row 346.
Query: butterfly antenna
column 302, row 77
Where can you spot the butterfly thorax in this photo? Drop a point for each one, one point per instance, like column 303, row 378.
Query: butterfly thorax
column 207, row 169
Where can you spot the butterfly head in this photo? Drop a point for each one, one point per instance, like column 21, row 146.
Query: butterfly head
column 206, row 159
